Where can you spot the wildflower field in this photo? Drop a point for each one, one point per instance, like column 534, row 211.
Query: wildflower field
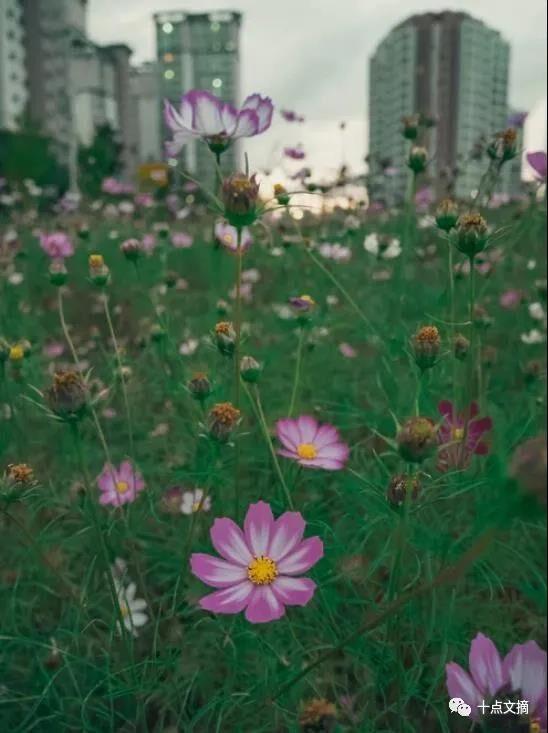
column 267, row 468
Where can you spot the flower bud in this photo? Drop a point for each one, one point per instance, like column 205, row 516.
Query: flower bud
column 83, row 232
column 418, row 159
column 240, row 195
column 281, row 195
column 318, row 716
column 302, row 303
column 20, row 474
column 528, row 467
column 99, row 273
column 131, row 249
column 222, row 307
column 503, row 147
column 199, row 386
column 400, row 486
column 417, row 439
column 221, row 420
column 250, row 369
column 461, row 347
column 470, row 235
column 426, row 347
column 67, row 396
column 410, row 128
column 447, row 215
column 225, row 337
column 58, row 274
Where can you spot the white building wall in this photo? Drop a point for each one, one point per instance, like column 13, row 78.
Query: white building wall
column 13, row 93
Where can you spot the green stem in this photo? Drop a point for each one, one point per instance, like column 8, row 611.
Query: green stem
column 264, row 426
column 120, row 374
column 238, row 319
column 452, row 573
column 297, row 372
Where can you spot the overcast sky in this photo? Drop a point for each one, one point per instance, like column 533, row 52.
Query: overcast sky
column 312, row 56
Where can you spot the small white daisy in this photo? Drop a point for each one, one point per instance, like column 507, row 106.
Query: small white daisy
column 132, row 609
column 194, row 501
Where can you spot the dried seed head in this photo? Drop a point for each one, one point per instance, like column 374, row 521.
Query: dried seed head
column 67, row 396
column 470, row 235
column 461, row 347
column 199, row 386
column 21, row 474
column 318, row 716
column 426, row 346
column 250, row 369
column 225, row 337
column 447, row 215
column 417, row 439
column 418, row 159
column 503, row 146
column 222, row 419
column 400, row 486
column 240, row 196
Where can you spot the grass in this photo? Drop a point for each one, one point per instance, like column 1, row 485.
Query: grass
column 65, row 666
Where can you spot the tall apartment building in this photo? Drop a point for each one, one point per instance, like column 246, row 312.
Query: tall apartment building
column 13, row 89
column 146, row 132
column 448, row 66
column 199, row 51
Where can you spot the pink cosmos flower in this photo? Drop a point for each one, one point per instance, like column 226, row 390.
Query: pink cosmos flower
column 459, row 441
column 349, row 352
column 259, row 566
column 227, row 236
column 537, row 161
column 521, row 673
column 57, row 245
column 54, row 349
column 146, row 200
column 181, row 240
column 296, row 153
column 511, row 299
column 204, row 116
column 148, row 243
column 311, row 444
column 119, row 485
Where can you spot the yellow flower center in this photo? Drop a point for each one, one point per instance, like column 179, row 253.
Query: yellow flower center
column 96, row 261
column 122, row 487
column 16, row 353
column 458, row 433
column 196, row 506
column 307, row 451
column 307, row 299
column 262, row 570
column 124, row 610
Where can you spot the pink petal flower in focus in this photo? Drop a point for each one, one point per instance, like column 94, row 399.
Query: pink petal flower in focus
column 119, row 485
column 312, row 445
column 258, row 568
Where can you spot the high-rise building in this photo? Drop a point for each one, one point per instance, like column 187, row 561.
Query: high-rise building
column 13, row 91
column 146, row 132
column 447, row 66
column 199, row 51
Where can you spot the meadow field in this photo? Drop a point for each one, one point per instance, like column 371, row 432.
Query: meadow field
column 267, row 468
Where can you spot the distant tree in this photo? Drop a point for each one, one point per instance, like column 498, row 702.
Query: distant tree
column 99, row 160
column 28, row 154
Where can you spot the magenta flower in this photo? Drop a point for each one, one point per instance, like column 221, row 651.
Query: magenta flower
column 119, row 485
column 511, row 299
column 311, row 444
column 290, row 116
column 204, row 116
column 295, row 153
column 537, row 161
column 227, row 236
column 459, row 440
column 57, row 245
column 521, row 673
column 181, row 240
column 258, row 567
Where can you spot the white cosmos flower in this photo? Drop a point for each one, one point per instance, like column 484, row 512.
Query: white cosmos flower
column 194, row 501
column 386, row 250
column 188, row 347
column 536, row 311
column 533, row 337
column 336, row 252
column 132, row 609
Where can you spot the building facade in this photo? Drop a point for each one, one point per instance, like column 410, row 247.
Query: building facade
column 146, row 132
column 13, row 75
column 199, row 51
column 449, row 67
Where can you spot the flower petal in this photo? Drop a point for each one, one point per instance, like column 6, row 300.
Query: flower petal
column 460, row 684
column 247, row 125
column 308, row 428
column 258, row 527
column 294, row 591
column 445, row 408
column 229, row 541
column 263, row 606
column 302, row 558
column 525, row 666
column 328, row 464
column 229, row 600
column 216, row 572
column 326, row 435
column 485, row 665
column 206, row 112
column 286, row 535
column 288, row 433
